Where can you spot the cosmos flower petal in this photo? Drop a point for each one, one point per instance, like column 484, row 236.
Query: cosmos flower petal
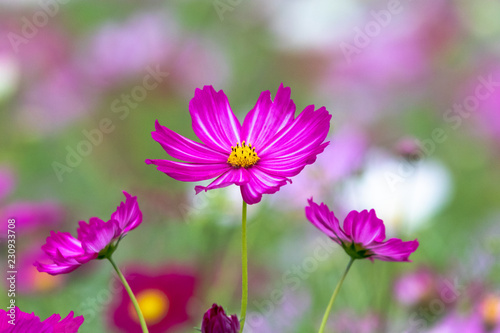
column 268, row 117
column 69, row 324
column 239, row 176
column 291, row 165
column 128, row 214
column 55, row 269
column 364, row 227
column 393, row 249
column 189, row 172
column 64, row 242
column 185, row 149
column 306, row 132
column 213, row 120
column 325, row 220
column 97, row 234
column 261, row 183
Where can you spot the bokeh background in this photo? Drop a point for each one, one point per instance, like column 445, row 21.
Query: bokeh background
column 414, row 90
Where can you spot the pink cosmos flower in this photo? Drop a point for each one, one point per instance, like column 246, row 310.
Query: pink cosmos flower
column 215, row 320
column 25, row 322
column 362, row 234
column 163, row 297
column 96, row 240
column 259, row 156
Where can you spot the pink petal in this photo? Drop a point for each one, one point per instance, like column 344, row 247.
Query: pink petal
column 185, row 149
column 237, row 176
column 260, row 183
column 268, row 117
column 97, row 234
column 303, row 135
column 364, row 227
column 213, row 120
column 188, row 172
column 128, row 214
column 326, row 221
column 393, row 250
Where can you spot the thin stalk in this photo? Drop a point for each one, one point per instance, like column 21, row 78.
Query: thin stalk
column 132, row 297
column 244, row 266
column 335, row 292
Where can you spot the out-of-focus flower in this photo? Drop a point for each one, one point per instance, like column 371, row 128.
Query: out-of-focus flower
column 489, row 308
column 350, row 144
column 26, row 322
column 362, row 234
column 121, row 51
column 33, row 215
column 96, row 240
column 29, row 279
column 274, row 144
column 215, row 320
column 349, row 322
column 56, row 100
column 163, row 297
column 488, row 102
column 416, row 287
column 405, row 194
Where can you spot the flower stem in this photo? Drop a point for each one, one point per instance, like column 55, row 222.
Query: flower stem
column 335, row 292
column 244, row 266
column 132, row 297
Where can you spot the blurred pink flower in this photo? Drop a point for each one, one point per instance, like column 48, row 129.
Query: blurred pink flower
column 29, row 279
column 29, row 323
column 341, row 158
column 415, row 287
column 96, row 239
column 163, row 297
column 33, row 215
column 54, row 101
column 123, row 50
column 362, row 234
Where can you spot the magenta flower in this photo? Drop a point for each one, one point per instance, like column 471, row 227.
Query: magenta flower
column 16, row 321
column 96, row 240
column 216, row 321
column 362, row 234
column 259, row 156
column 163, row 296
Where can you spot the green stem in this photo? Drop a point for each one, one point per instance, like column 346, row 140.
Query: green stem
column 244, row 266
column 335, row 292
column 132, row 297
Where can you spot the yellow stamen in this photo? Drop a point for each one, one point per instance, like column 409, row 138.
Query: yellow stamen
column 244, row 156
column 154, row 305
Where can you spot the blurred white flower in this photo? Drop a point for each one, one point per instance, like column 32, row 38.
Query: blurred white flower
column 404, row 194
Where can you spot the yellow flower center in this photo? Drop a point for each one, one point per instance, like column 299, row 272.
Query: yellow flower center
column 490, row 310
column 154, row 305
column 244, row 156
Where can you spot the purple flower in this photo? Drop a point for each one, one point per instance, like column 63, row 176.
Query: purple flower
column 216, row 321
column 259, row 156
column 362, row 234
column 25, row 322
column 96, row 239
